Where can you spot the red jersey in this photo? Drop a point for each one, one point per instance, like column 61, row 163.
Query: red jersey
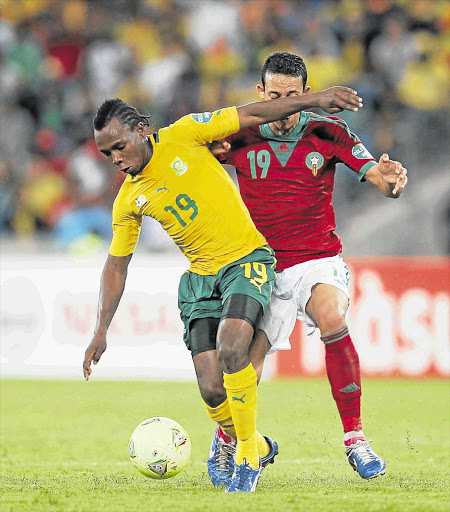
column 286, row 182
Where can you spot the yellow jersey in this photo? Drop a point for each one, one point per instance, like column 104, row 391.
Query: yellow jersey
column 186, row 189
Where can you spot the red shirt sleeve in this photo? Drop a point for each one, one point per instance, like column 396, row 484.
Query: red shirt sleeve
column 351, row 151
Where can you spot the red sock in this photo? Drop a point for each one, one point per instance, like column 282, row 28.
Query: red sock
column 222, row 435
column 342, row 364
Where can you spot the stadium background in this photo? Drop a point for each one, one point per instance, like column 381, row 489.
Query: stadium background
column 60, row 59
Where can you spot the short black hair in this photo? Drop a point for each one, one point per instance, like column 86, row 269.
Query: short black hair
column 284, row 63
column 115, row 107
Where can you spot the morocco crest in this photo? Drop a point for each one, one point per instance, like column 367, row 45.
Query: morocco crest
column 314, row 161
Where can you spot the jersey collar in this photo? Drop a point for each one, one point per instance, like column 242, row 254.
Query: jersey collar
column 267, row 132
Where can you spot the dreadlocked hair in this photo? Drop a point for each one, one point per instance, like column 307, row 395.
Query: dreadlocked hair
column 284, row 63
column 117, row 108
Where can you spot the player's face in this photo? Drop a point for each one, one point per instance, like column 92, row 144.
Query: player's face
column 128, row 149
column 282, row 86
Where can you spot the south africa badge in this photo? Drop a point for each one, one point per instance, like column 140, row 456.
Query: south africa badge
column 314, row 161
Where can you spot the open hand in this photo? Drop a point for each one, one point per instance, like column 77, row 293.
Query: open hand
column 393, row 172
column 337, row 98
column 93, row 354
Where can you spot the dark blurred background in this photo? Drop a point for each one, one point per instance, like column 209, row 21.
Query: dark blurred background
column 59, row 59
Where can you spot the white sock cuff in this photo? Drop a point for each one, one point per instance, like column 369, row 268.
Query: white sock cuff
column 353, row 434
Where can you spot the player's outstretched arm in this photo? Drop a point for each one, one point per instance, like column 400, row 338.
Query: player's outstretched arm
column 112, row 285
column 332, row 100
column 388, row 176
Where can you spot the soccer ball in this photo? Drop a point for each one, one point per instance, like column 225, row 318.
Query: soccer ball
column 159, row 448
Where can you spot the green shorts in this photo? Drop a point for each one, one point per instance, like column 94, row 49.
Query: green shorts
column 203, row 296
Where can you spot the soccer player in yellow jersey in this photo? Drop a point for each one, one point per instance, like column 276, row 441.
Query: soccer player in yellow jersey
column 173, row 178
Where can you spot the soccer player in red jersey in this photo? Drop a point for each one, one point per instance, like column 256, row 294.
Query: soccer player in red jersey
column 285, row 171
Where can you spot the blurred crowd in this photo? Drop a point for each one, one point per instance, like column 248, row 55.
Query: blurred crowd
column 59, row 59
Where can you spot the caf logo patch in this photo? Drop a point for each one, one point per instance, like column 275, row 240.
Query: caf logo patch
column 204, row 117
column 314, row 161
column 360, row 151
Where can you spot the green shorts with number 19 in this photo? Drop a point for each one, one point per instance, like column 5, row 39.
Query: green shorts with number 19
column 203, row 296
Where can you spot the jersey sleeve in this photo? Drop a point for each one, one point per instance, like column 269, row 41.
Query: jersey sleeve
column 352, row 152
column 126, row 230
column 198, row 129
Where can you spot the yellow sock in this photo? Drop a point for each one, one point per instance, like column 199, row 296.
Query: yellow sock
column 222, row 415
column 242, row 397
column 263, row 447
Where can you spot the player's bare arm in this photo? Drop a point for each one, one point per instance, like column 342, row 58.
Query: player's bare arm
column 111, row 289
column 388, row 176
column 332, row 100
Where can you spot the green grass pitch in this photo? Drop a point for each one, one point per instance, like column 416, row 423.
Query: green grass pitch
column 64, row 447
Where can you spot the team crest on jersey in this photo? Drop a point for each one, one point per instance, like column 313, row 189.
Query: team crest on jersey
column 179, row 166
column 204, row 117
column 360, row 151
column 140, row 201
column 314, row 161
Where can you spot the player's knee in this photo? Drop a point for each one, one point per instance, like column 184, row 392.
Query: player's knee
column 213, row 397
column 233, row 341
column 231, row 357
column 228, row 357
column 213, row 392
column 330, row 319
